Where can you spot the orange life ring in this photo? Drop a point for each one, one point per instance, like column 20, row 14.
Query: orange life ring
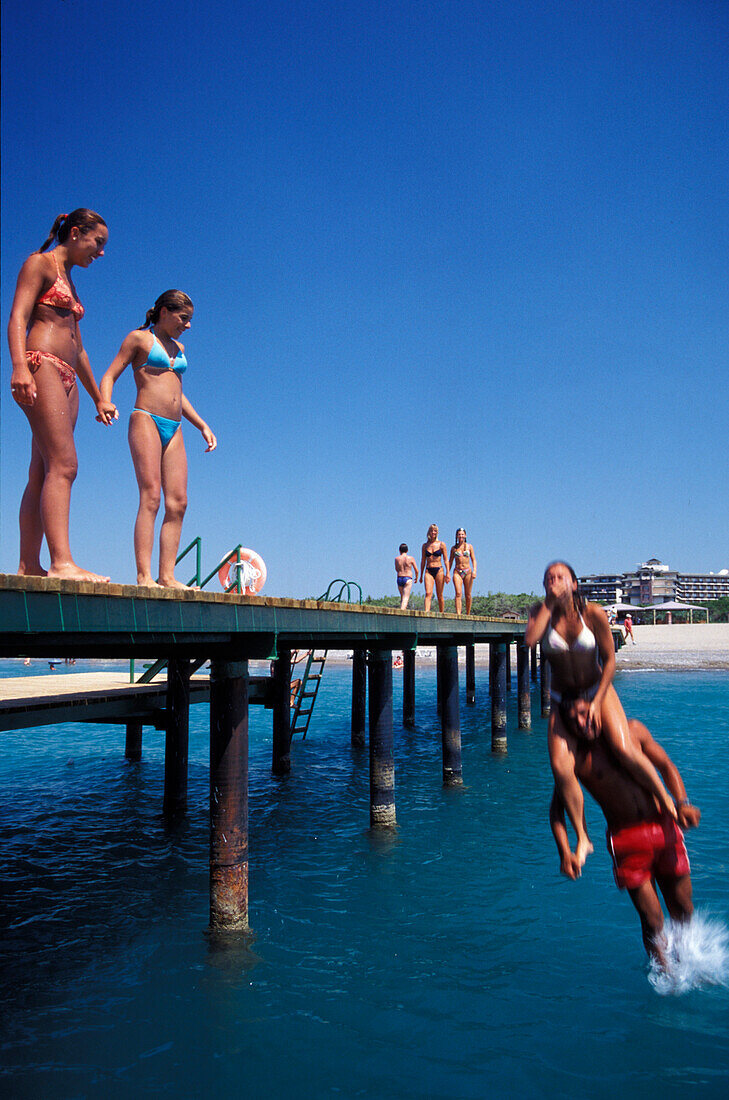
column 252, row 571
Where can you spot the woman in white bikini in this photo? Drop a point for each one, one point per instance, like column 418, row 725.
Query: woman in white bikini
column 577, row 641
column 463, row 563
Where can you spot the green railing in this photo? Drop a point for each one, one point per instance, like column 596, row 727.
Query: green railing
column 345, row 586
column 199, row 581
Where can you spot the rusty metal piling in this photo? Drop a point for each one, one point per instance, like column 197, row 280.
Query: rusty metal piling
column 408, row 688
column 382, row 762
column 177, row 737
column 359, row 697
column 450, row 718
column 524, row 686
column 497, row 681
column 281, row 676
column 229, row 795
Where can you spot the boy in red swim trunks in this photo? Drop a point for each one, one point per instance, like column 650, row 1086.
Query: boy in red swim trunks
column 646, row 844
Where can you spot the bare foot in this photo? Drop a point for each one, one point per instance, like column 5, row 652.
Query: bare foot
column 173, row 583
column 72, row 572
column 35, row 570
column 583, row 850
column 146, row 580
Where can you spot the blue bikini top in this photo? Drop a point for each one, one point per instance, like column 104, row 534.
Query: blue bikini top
column 160, row 360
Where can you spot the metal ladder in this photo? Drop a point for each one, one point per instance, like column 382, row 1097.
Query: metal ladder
column 305, row 699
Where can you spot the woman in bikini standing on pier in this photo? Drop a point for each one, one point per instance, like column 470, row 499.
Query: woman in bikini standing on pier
column 48, row 356
column 463, row 562
column 434, row 567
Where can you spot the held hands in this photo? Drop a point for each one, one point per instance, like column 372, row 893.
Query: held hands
column 570, row 866
column 106, row 412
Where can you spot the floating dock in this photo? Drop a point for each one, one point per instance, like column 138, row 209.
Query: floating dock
column 48, row 618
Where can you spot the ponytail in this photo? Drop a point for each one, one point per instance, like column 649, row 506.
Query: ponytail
column 82, row 219
column 172, row 300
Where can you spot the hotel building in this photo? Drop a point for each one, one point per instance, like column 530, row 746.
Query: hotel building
column 653, row 582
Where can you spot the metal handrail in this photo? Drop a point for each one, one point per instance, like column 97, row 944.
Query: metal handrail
column 348, row 585
column 197, row 543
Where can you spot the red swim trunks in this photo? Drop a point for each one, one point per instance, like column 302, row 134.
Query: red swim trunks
column 647, row 849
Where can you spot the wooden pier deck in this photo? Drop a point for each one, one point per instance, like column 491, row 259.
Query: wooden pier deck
column 49, row 618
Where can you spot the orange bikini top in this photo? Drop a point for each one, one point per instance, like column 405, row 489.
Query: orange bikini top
column 61, row 296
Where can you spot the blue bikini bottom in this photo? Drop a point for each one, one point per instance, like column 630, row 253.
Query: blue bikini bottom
column 165, row 427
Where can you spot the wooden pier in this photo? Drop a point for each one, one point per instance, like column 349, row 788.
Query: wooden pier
column 45, row 618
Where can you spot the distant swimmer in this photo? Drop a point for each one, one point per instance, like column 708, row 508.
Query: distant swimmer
column 577, row 641
column 48, row 357
column 645, row 842
column 155, row 439
column 434, row 567
column 406, row 570
column 463, row 562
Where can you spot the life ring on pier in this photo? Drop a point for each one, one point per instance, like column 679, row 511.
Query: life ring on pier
column 252, row 569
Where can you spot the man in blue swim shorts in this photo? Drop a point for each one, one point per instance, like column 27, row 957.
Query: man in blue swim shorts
column 644, row 841
column 406, row 570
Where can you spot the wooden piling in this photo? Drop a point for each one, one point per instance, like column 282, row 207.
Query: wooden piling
column 177, row 737
column 535, row 675
column 470, row 675
column 450, row 717
column 229, row 795
column 281, row 764
column 408, row 687
column 359, row 697
column 497, row 680
column 546, row 680
column 507, row 653
column 524, row 686
column 133, row 745
column 382, row 762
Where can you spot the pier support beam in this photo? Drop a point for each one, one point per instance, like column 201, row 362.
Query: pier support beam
column 177, row 737
column 534, row 664
column 470, row 675
column 359, row 698
column 507, row 653
column 133, row 746
column 408, row 687
column 497, row 680
column 382, row 762
column 229, row 795
column 546, row 680
column 281, row 764
column 450, row 718
column 524, row 686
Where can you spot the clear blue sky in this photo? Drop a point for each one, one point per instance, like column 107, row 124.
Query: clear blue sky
column 455, row 262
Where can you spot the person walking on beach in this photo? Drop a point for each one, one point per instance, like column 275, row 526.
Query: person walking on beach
column 463, row 562
column 48, row 356
column 628, row 624
column 406, row 570
column 577, row 642
column 645, row 842
column 434, row 567
column 155, row 437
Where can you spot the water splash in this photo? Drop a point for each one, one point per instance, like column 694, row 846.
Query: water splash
column 697, row 955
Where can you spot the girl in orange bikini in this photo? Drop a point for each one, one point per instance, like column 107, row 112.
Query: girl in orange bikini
column 48, row 356
column 463, row 563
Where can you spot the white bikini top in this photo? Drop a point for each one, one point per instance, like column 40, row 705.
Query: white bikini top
column 578, row 663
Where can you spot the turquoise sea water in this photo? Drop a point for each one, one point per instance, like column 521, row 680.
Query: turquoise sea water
column 448, row 960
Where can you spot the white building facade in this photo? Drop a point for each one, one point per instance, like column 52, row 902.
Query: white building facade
column 654, row 582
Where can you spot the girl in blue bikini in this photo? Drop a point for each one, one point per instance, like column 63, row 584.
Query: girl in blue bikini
column 155, row 440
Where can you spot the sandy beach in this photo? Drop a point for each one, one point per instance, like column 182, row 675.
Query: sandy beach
column 683, row 646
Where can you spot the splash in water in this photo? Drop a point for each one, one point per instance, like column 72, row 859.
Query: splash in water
column 697, row 955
